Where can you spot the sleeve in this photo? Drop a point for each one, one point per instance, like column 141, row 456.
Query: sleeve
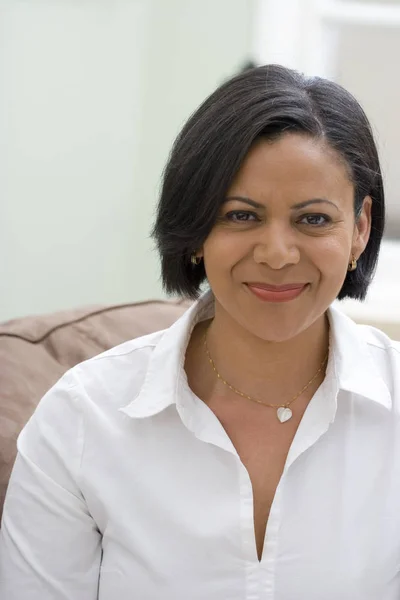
column 50, row 547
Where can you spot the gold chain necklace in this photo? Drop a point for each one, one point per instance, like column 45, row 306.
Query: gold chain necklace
column 284, row 413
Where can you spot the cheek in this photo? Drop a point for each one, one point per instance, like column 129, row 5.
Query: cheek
column 331, row 254
column 223, row 250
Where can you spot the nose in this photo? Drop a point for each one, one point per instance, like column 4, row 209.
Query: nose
column 277, row 247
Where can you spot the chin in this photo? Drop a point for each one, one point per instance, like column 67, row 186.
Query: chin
column 276, row 334
column 278, row 323
column 269, row 321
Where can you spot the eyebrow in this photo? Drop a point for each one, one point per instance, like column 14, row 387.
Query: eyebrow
column 297, row 206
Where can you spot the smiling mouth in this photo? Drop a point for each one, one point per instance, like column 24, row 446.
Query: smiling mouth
column 276, row 293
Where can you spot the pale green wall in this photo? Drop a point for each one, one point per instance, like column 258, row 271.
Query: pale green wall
column 92, row 95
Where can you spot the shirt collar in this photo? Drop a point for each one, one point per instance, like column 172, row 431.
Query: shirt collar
column 163, row 380
column 350, row 363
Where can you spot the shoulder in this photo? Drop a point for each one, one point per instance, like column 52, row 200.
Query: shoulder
column 366, row 358
column 116, row 376
column 357, row 337
column 385, row 354
column 99, row 385
column 378, row 341
column 114, row 379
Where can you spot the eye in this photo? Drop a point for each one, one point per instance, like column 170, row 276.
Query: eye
column 315, row 220
column 241, row 216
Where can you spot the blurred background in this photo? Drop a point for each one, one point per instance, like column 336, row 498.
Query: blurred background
column 92, row 95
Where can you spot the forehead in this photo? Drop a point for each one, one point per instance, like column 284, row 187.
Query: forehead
column 292, row 162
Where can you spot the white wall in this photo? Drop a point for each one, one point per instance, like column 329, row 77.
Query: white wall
column 92, row 93
column 367, row 65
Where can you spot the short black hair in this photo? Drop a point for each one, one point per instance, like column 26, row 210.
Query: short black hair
column 266, row 101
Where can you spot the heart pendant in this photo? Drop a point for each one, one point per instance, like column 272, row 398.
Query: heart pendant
column 284, row 414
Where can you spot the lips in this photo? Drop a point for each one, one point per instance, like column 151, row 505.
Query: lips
column 276, row 293
column 276, row 288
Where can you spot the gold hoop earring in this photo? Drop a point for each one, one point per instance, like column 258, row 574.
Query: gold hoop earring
column 353, row 265
column 195, row 260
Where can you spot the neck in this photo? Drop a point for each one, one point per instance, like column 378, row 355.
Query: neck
column 251, row 363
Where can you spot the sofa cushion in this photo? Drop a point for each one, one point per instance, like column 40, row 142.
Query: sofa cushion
column 36, row 351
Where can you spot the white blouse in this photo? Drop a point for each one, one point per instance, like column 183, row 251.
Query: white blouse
column 126, row 486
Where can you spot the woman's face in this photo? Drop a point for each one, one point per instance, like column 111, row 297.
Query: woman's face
column 278, row 254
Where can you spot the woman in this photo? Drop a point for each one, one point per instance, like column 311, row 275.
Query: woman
column 252, row 450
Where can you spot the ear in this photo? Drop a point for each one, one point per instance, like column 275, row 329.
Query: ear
column 362, row 228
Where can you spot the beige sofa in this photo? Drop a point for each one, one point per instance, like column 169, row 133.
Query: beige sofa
column 36, row 351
